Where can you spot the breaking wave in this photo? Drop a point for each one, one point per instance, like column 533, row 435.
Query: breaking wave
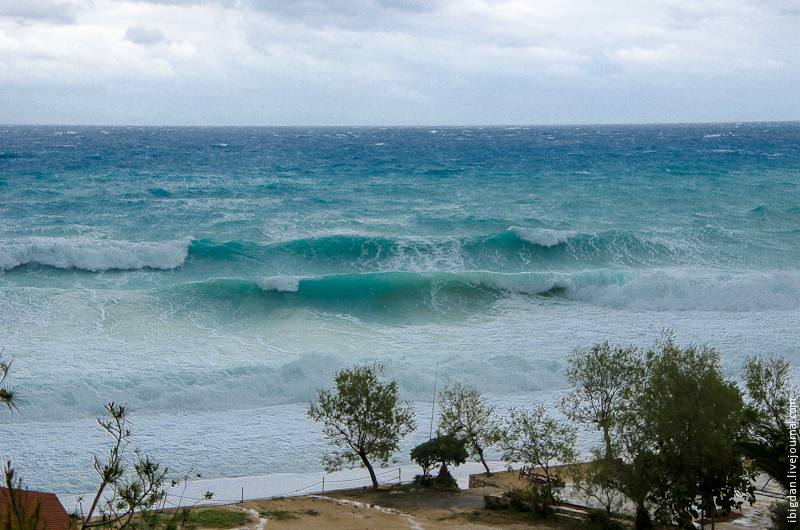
column 401, row 292
column 92, row 254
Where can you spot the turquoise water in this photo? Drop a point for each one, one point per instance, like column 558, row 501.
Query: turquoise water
column 212, row 278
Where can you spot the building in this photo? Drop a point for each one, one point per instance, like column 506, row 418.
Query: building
column 52, row 515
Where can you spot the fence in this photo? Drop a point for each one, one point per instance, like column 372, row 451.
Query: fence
column 176, row 500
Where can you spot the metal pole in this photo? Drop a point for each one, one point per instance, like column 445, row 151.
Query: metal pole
column 433, row 405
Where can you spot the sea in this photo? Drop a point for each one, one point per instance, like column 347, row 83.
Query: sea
column 210, row 279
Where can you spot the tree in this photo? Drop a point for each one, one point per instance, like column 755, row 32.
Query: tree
column 672, row 422
column 362, row 418
column 769, row 387
column 602, row 379
column 444, row 450
column 466, row 414
column 8, row 395
column 774, row 432
column 606, row 381
column 535, row 438
column 691, row 416
column 141, row 493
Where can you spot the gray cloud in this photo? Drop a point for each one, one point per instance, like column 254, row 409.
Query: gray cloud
column 37, row 11
column 400, row 61
column 144, row 35
column 344, row 14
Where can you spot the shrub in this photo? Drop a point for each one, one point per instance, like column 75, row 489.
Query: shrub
column 599, row 520
column 779, row 516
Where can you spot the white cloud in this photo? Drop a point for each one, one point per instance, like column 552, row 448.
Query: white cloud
column 655, row 56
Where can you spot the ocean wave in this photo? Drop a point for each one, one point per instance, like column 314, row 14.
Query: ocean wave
column 289, row 284
column 383, row 294
column 543, row 237
column 697, row 291
column 92, row 255
column 365, row 294
column 516, row 249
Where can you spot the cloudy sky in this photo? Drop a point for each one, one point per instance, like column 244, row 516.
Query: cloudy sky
column 398, row 62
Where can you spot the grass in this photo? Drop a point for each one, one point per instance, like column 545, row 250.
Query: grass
column 217, row 518
column 278, row 515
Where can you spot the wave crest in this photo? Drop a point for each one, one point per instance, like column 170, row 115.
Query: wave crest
column 543, row 236
column 366, row 295
column 92, row 254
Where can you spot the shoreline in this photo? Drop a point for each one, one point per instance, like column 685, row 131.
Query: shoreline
column 399, row 508
column 394, row 508
column 232, row 490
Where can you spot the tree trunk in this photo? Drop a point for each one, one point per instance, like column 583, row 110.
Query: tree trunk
column 643, row 520
column 365, row 460
column 607, row 440
column 480, row 455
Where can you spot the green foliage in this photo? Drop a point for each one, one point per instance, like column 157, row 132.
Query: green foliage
column 444, row 450
column 423, row 480
column 597, row 481
column 769, row 387
column 779, row 517
column 522, row 500
column 537, row 499
column 599, row 520
column 602, row 379
column 672, row 424
column 692, row 415
column 768, row 449
column 466, row 414
column 278, row 515
column 8, row 396
column 362, row 418
column 217, row 518
column 491, row 502
column 118, row 497
column 140, row 493
column 535, row 438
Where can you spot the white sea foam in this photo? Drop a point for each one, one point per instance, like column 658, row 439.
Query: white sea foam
column 543, row 236
column 92, row 254
column 290, row 284
column 684, row 291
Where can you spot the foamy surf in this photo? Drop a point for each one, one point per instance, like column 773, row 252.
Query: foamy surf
column 92, row 254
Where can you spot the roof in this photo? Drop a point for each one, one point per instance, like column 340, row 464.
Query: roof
column 52, row 515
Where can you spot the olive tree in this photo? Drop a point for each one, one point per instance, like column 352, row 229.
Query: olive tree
column 602, row 379
column 467, row 415
column 362, row 418
column 537, row 439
